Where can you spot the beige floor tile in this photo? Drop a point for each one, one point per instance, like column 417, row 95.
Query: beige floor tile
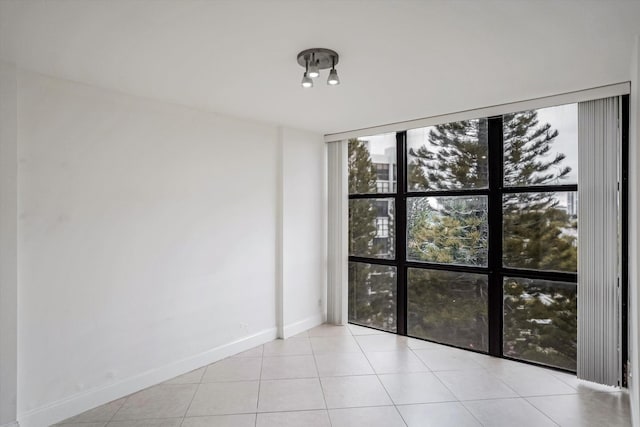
column 534, row 383
column 497, row 364
column 243, row 420
column 417, row 387
column 326, row 330
column 586, row 409
column 582, row 386
column 193, row 377
column 163, row 422
column 161, row 401
column 225, row 398
column 240, row 369
column 386, row 342
column 334, row 344
column 337, row 364
column 449, row 414
column 381, row 416
column 417, row 344
column 392, row 362
column 101, row 413
column 252, row 352
column 361, row 330
column 507, row 413
column 354, row 391
column 472, row 385
column 285, row 367
column 290, row 395
column 447, row 359
column 288, row 347
column 83, row 424
column 294, row 419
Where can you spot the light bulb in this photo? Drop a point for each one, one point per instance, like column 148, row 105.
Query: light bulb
column 306, row 81
column 313, row 70
column 333, row 79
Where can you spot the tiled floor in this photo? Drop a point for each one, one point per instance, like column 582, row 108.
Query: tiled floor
column 353, row 376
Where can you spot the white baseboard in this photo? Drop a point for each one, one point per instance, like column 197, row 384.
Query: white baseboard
column 78, row 403
column 303, row 325
column 11, row 424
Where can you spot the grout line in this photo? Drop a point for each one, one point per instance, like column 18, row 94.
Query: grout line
column 130, row 420
column 318, row 409
column 494, row 398
column 469, row 412
column 125, row 398
column 379, row 380
column 226, row 414
column 440, row 381
column 540, row 410
column 255, row 421
column 193, row 397
column 324, row 398
column 420, row 359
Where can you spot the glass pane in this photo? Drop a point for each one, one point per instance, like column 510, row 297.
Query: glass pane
column 372, row 295
column 451, row 230
column 541, row 231
column 370, row 161
column 448, row 156
column 371, row 228
column 541, row 146
column 540, row 321
column 448, row 307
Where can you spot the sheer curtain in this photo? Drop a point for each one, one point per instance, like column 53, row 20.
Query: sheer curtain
column 599, row 141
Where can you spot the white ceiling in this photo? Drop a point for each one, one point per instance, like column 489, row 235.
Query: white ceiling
column 399, row 60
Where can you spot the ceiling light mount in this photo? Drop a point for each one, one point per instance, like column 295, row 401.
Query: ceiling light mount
column 316, row 59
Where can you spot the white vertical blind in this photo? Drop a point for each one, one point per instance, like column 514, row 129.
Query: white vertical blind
column 338, row 256
column 598, row 242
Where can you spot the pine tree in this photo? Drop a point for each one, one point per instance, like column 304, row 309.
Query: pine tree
column 362, row 173
column 456, row 158
column 448, row 307
column 536, row 234
column 526, row 143
column 533, row 225
column 540, row 321
column 371, row 287
column 455, row 231
column 540, row 317
column 443, row 306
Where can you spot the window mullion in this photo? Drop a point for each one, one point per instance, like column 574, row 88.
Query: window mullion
column 401, row 232
column 496, row 167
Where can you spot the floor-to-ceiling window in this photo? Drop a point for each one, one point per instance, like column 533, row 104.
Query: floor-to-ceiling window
column 465, row 233
column 372, row 247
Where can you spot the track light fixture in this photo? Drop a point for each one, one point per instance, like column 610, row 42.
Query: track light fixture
column 316, row 59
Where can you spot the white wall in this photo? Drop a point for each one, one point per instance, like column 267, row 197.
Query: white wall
column 304, row 233
column 634, row 235
column 8, row 243
column 147, row 241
